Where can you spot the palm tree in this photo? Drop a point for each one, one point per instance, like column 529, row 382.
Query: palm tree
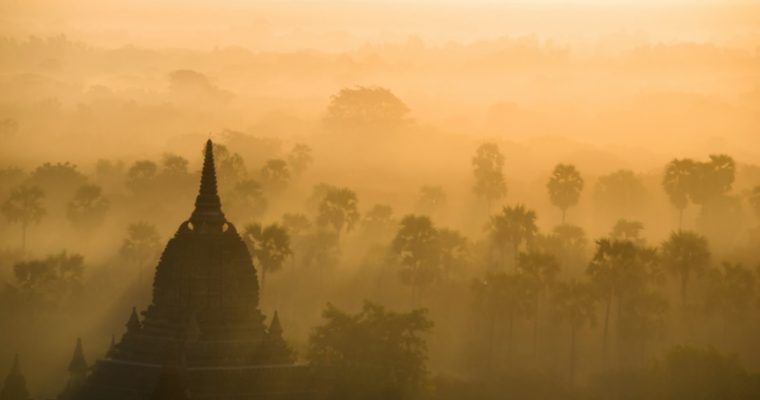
column 619, row 267
column 503, row 295
column 300, row 158
column 628, row 230
column 269, row 247
column 684, row 254
column 488, row 168
column 24, row 205
column 338, row 210
column 574, row 302
column 275, row 175
column 515, row 226
column 565, row 186
column 417, row 246
column 677, row 182
column 730, row 290
column 541, row 268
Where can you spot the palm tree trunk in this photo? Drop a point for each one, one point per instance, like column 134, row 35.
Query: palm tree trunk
column 572, row 353
column 606, row 326
column 23, row 240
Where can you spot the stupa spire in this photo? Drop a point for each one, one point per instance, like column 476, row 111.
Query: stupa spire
column 14, row 387
column 78, row 364
column 208, row 207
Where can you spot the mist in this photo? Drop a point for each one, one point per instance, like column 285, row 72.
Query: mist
column 550, row 199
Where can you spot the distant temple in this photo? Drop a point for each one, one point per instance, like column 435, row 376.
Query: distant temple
column 203, row 336
column 14, row 387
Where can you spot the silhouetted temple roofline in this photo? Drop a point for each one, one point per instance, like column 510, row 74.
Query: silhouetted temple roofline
column 208, row 215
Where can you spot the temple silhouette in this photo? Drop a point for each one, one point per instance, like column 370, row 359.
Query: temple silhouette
column 203, row 336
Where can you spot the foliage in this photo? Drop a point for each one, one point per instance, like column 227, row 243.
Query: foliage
column 375, row 354
column 88, row 207
column 431, row 199
column 363, row 109
column 275, row 175
column 141, row 245
column 338, row 210
column 51, row 278
column 685, row 254
column 628, row 230
column 515, row 226
column 565, row 186
column 488, row 165
column 620, row 192
column 269, row 247
column 416, row 244
column 300, row 158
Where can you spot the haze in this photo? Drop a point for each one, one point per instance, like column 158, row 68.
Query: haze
column 394, row 102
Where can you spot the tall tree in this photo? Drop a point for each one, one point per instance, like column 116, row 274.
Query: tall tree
column 541, row 269
column 88, row 207
column 488, row 168
column 565, row 186
column 374, row 354
column 24, row 206
column 141, row 245
column 678, row 182
column 269, row 247
column 620, row 193
column 338, row 210
column 141, row 177
column 366, row 110
column 574, row 302
column 729, row 293
column 52, row 278
column 300, row 158
column 512, row 228
column 378, row 222
column 628, row 230
column 275, row 175
column 500, row 295
column 416, row 244
column 685, row 254
column 618, row 268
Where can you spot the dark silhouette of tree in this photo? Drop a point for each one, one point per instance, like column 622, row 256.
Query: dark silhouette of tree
column 296, row 224
column 488, row 168
column 500, row 295
column 14, row 387
column 568, row 245
column 141, row 245
column 24, row 206
column 541, row 269
column 269, row 247
column 248, row 199
column 320, row 250
column 10, row 177
column 565, row 186
column 712, row 179
column 685, row 254
column 574, row 302
column 88, row 207
column 300, row 158
column 678, row 182
column 366, row 109
column 729, row 293
column 512, row 228
column 374, row 354
column 52, row 278
column 453, row 251
column 754, row 200
column 57, row 180
column 141, row 177
column 230, row 167
column 416, row 244
column 431, row 199
column 378, row 222
column 620, row 193
column 628, row 230
column 620, row 267
column 275, row 175
column 174, row 166
column 338, row 210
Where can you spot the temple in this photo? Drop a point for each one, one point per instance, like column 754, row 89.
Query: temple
column 14, row 387
column 203, row 336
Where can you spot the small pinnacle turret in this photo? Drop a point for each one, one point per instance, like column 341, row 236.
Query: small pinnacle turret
column 14, row 387
column 78, row 364
column 133, row 325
